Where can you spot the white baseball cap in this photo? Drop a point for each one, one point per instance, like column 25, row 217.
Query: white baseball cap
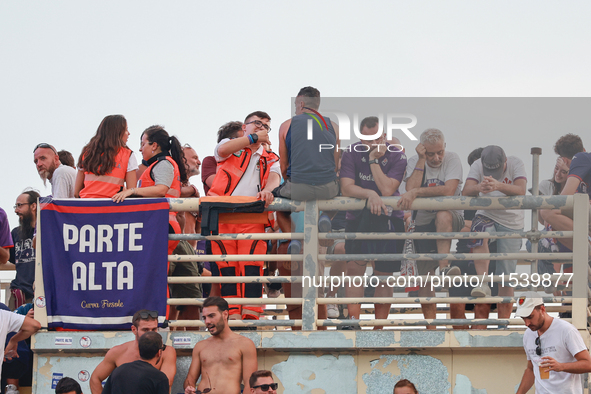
column 527, row 302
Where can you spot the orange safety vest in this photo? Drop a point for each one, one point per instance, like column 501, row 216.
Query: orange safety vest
column 106, row 186
column 175, row 189
column 231, row 170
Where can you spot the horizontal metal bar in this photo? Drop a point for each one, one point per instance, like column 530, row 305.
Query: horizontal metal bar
column 444, row 256
column 234, row 257
column 442, row 203
column 234, row 279
column 434, row 300
column 416, row 322
column 235, row 237
column 457, row 203
column 238, row 301
column 461, row 235
column 239, row 323
column 323, row 281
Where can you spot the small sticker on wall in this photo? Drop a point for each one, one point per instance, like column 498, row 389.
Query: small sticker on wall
column 181, row 341
column 83, row 376
column 85, row 342
column 63, row 341
column 55, row 378
column 40, row 302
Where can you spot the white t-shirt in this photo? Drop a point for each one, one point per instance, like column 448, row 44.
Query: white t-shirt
column 546, row 188
column 451, row 168
column 512, row 218
column 9, row 322
column 249, row 185
column 561, row 342
column 63, row 181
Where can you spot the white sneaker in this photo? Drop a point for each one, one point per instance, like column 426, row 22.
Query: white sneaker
column 11, row 389
column 332, row 311
column 481, row 291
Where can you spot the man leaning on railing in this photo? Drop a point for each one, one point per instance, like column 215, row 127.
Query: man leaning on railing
column 495, row 175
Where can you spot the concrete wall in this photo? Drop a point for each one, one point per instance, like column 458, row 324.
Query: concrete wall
column 339, row 362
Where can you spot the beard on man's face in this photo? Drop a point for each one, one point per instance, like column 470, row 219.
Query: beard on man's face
column 46, row 174
column 26, row 225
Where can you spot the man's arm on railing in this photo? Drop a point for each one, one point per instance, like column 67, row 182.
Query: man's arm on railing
column 374, row 201
column 527, row 380
column 471, row 188
column 449, row 189
column 518, row 188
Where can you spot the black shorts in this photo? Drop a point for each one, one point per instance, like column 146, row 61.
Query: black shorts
column 375, row 223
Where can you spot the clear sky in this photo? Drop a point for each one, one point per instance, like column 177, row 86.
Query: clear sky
column 192, row 66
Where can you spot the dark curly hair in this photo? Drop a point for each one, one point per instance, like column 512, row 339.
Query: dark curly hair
column 568, row 145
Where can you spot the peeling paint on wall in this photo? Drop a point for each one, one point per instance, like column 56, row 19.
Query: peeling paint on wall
column 428, row 374
column 467, row 339
column 308, row 374
column 421, row 338
column 307, row 340
column 464, row 386
column 374, row 339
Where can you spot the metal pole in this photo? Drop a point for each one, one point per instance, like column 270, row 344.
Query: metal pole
column 310, row 266
column 580, row 258
column 535, row 152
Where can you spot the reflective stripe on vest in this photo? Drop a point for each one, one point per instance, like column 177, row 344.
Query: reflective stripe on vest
column 106, row 186
column 230, row 171
column 175, row 189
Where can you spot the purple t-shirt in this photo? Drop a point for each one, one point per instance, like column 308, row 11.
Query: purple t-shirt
column 355, row 165
column 5, row 237
column 580, row 168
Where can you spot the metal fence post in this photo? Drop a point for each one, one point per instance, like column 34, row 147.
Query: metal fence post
column 580, row 259
column 310, row 267
column 535, row 152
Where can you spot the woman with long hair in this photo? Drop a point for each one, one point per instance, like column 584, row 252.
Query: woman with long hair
column 554, row 186
column 106, row 164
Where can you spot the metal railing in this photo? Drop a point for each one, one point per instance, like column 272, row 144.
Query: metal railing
column 312, row 258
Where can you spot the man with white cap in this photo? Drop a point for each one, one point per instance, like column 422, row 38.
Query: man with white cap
column 556, row 353
column 496, row 175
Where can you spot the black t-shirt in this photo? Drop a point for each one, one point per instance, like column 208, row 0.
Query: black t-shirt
column 23, row 256
column 138, row 377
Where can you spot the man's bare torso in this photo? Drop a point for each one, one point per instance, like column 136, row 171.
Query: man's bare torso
column 221, row 362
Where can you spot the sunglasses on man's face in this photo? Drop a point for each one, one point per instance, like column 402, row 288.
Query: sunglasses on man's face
column 266, row 387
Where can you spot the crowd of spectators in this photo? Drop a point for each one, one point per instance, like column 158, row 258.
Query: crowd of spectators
column 243, row 165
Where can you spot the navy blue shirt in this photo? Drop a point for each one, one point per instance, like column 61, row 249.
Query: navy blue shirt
column 23, row 256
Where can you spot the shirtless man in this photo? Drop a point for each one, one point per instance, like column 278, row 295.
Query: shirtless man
column 143, row 321
column 224, row 359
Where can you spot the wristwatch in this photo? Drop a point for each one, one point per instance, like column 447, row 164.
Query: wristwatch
column 374, row 161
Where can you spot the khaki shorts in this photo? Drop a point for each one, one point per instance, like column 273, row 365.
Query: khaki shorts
column 304, row 192
column 184, row 290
